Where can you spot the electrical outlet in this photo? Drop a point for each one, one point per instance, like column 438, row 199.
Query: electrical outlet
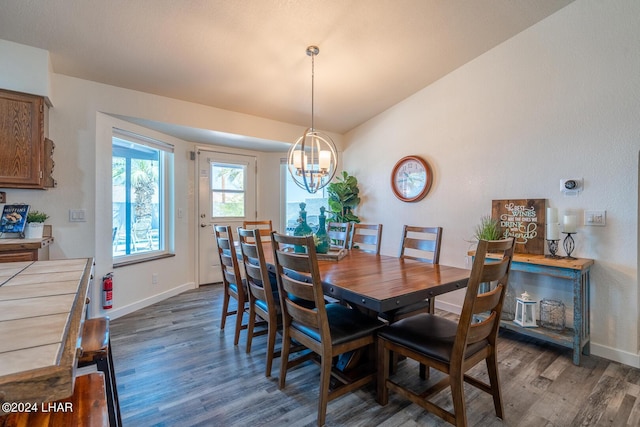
column 154, row 279
column 598, row 218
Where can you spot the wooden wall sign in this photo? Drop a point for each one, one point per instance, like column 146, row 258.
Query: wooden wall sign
column 523, row 220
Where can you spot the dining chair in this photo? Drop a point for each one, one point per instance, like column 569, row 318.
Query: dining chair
column 234, row 285
column 452, row 347
column 265, row 226
column 366, row 237
column 338, row 233
column 328, row 330
column 420, row 244
column 264, row 301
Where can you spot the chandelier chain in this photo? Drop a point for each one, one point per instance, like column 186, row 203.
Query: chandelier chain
column 313, row 68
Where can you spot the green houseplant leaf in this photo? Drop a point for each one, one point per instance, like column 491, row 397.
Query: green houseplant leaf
column 36, row 216
column 343, row 198
column 488, row 229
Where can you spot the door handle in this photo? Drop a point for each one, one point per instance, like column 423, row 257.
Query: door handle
column 203, row 225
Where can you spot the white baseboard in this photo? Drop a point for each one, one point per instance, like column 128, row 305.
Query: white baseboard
column 615, row 355
column 119, row 312
column 447, row 306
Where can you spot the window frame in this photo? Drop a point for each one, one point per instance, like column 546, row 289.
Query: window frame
column 165, row 237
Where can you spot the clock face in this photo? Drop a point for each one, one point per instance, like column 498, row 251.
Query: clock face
column 411, row 179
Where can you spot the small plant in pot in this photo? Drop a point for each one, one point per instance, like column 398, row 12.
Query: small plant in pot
column 488, row 229
column 35, row 224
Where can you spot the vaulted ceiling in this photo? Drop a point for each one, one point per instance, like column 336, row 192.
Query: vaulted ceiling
column 249, row 55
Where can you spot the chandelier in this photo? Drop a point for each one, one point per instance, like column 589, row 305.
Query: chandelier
column 312, row 159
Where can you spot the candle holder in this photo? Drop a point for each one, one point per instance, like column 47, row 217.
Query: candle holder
column 569, row 245
column 553, row 249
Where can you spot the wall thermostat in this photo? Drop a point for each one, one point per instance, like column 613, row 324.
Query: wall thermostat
column 571, row 186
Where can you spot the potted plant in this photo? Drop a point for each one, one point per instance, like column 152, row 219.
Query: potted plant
column 488, row 229
column 343, row 198
column 35, row 224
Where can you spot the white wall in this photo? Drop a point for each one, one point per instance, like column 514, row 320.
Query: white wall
column 559, row 100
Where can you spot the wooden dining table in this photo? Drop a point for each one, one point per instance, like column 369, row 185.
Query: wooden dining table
column 383, row 283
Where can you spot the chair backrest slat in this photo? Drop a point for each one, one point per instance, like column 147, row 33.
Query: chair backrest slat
column 265, row 226
column 298, row 282
column 423, row 243
column 255, row 266
column 484, row 270
column 339, row 233
column 366, row 237
column 228, row 258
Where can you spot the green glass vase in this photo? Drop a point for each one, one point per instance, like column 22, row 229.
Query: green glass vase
column 322, row 238
column 302, row 229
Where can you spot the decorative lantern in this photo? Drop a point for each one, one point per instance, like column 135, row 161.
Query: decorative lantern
column 525, row 311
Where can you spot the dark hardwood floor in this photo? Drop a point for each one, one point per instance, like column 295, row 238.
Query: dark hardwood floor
column 176, row 368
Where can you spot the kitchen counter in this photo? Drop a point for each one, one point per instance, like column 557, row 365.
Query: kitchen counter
column 14, row 250
column 42, row 308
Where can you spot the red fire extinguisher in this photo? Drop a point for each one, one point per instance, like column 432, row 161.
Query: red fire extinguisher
column 107, row 291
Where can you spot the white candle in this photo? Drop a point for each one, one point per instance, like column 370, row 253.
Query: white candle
column 552, row 215
column 570, row 223
column 325, row 159
column 553, row 232
column 297, row 159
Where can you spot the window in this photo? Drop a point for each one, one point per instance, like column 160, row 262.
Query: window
column 294, row 195
column 140, row 176
column 228, row 188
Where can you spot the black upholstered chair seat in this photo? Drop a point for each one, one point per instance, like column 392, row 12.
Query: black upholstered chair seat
column 345, row 325
column 453, row 348
column 428, row 334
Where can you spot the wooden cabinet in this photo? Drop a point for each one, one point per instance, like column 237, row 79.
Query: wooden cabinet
column 14, row 250
column 25, row 151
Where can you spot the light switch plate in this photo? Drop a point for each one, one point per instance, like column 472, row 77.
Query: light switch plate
column 598, row 218
column 77, row 215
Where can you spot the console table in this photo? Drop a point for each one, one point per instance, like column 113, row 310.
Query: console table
column 576, row 273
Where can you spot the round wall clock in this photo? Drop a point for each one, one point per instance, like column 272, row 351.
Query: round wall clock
column 411, row 179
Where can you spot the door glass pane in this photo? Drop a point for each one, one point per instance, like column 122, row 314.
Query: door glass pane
column 228, row 188
column 227, row 177
column 228, row 204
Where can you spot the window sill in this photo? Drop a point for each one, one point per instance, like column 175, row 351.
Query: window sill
column 141, row 260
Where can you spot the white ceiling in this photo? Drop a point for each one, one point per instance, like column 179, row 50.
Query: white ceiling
column 249, row 55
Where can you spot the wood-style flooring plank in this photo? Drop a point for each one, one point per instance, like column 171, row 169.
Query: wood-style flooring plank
column 176, row 368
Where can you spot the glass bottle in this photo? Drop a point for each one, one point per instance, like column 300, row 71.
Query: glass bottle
column 322, row 238
column 303, row 228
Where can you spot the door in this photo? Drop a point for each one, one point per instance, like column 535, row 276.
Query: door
column 226, row 196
